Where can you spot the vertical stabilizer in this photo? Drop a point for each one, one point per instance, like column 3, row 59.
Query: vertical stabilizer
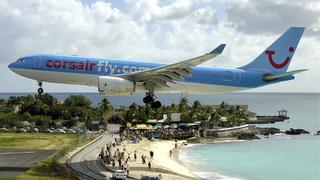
column 277, row 57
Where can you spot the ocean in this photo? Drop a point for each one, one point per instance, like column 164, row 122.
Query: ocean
column 277, row 157
column 280, row 156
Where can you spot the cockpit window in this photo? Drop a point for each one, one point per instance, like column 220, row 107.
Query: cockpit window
column 21, row 60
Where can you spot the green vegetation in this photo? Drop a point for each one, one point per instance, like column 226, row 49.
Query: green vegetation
column 45, row 111
column 136, row 114
column 36, row 140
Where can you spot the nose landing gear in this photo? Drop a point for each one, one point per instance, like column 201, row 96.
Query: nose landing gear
column 40, row 90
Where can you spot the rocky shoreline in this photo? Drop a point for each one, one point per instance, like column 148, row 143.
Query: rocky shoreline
column 251, row 134
column 296, row 131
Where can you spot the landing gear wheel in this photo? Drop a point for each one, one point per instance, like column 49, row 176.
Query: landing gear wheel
column 40, row 91
column 156, row 104
column 148, row 99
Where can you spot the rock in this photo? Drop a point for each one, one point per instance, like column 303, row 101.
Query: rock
column 318, row 133
column 296, row 131
column 245, row 135
column 266, row 131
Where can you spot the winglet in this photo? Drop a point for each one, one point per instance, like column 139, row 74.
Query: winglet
column 218, row 50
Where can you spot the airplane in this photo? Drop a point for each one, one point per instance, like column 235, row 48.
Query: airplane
column 121, row 78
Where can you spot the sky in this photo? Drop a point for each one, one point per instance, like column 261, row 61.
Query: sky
column 157, row 31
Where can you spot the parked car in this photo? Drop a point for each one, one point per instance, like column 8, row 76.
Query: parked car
column 71, row 131
column 166, row 126
column 173, row 126
column 60, row 131
column 4, row 129
column 49, row 131
column 35, row 130
column 23, row 130
column 78, row 130
column 119, row 174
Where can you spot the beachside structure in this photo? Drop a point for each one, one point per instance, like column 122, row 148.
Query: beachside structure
column 283, row 113
column 252, row 116
column 223, row 132
column 175, row 117
column 263, row 119
column 96, row 125
column 160, row 121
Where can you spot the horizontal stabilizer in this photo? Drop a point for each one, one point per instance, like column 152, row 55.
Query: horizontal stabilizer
column 273, row 77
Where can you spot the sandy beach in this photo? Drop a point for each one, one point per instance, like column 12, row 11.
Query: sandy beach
column 161, row 163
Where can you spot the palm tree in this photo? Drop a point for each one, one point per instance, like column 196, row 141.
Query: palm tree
column 106, row 108
column 183, row 105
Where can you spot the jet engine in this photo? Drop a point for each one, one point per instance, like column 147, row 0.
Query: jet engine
column 115, row 86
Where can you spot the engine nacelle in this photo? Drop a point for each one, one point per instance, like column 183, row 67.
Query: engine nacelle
column 115, row 86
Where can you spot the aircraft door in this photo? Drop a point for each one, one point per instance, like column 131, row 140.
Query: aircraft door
column 237, row 77
column 37, row 63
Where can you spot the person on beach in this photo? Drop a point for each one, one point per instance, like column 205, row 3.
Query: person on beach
column 119, row 161
column 128, row 169
column 128, row 155
column 142, row 159
column 135, row 155
column 149, row 165
column 170, row 152
column 124, row 166
column 151, row 154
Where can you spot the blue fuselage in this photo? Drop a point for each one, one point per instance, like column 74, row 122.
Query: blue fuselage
column 108, row 67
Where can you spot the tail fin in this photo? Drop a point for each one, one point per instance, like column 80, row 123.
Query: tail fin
column 277, row 57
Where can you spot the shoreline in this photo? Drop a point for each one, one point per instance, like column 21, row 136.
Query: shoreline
column 169, row 167
column 172, row 163
column 186, row 164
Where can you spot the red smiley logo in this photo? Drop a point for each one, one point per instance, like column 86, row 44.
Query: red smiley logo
column 276, row 65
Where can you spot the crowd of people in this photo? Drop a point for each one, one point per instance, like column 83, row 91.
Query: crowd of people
column 115, row 155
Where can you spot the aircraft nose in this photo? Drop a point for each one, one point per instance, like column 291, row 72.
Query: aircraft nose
column 10, row 66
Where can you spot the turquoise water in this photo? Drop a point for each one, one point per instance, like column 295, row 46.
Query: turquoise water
column 278, row 157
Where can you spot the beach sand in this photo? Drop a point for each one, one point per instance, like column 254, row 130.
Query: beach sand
column 161, row 163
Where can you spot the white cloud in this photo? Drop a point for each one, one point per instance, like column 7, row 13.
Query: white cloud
column 165, row 32
column 263, row 16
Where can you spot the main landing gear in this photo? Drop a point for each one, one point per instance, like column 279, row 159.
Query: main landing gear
column 40, row 90
column 150, row 99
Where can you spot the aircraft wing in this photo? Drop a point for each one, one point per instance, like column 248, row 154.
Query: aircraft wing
column 168, row 73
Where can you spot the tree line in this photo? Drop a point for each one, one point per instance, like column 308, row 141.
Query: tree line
column 45, row 111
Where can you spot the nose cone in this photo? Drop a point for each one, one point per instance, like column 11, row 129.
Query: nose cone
column 10, row 66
